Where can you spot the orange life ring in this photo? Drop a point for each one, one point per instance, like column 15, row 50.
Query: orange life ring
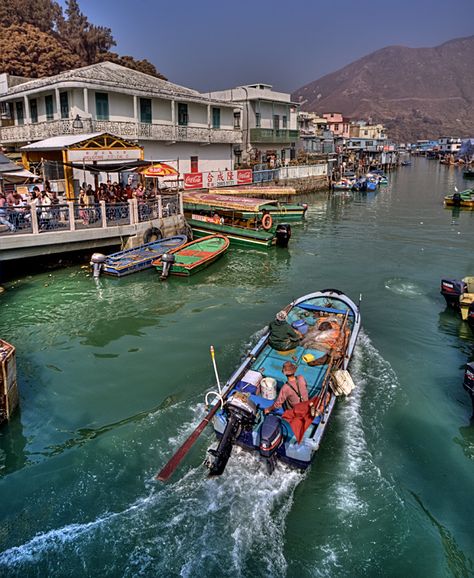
column 267, row 221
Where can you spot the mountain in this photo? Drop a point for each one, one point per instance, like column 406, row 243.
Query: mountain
column 415, row 92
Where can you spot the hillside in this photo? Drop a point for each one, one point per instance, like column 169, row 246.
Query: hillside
column 415, row 92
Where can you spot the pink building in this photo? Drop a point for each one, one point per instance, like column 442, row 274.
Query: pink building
column 338, row 124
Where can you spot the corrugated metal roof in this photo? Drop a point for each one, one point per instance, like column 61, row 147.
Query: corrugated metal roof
column 59, row 142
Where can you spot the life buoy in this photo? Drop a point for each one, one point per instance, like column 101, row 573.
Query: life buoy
column 152, row 234
column 267, row 221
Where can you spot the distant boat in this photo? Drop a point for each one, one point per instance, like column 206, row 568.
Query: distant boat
column 137, row 259
column 192, row 257
column 463, row 199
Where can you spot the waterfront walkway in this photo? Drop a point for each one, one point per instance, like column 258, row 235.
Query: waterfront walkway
column 68, row 227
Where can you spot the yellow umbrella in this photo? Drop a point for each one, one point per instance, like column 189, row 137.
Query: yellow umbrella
column 159, row 170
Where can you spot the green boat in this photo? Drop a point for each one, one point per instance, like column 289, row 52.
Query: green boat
column 192, row 257
column 243, row 208
column 237, row 235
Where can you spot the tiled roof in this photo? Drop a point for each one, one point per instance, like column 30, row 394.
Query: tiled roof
column 113, row 76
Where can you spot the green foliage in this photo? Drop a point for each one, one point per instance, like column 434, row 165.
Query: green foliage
column 37, row 39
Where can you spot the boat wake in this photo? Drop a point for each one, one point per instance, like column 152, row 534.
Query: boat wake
column 404, row 287
column 236, row 524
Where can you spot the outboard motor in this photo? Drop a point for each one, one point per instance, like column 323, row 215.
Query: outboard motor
column 97, row 260
column 271, row 438
column 283, row 234
column 241, row 413
column 470, row 316
column 457, row 199
column 451, row 290
column 167, row 259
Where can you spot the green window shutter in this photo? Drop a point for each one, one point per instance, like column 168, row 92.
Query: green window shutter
column 102, row 105
column 145, row 110
column 216, row 118
column 48, row 102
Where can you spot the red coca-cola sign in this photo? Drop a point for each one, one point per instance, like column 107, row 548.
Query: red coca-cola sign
column 193, row 181
column 244, row 176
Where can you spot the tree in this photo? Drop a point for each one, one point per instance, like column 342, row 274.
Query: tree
column 27, row 51
column 44, row 14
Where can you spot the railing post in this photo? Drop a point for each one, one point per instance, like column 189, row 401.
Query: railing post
column 135, row 210
column 34, row 217
column 131, row 212
column 103, row 214
column 160, row 207
column 181, row 208
column 72, row 219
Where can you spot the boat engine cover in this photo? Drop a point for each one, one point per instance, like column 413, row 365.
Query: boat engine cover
column 283, row 234
column 168, row 258
column 452, row 287
column 240, row 403
column 469, row 377
column 270, row 435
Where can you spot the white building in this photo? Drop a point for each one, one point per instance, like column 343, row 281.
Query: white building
column 268, row 120
column 189, row 130
column 449, row 145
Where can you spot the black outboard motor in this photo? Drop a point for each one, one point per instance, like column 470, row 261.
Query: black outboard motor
column 469, row 383
column 241, row 414
column 470, row 316
column 457, row 199
column 451, row 290
column 283, row 234
column 167, row 259
column 271, row 438
column 97, row 260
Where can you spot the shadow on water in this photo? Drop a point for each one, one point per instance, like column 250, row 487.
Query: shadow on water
column 466, row 440
column 459, row 565
column 12, row 446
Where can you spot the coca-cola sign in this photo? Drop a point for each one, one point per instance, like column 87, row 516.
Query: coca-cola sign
column 244, row 177
column 214, row 179
column 193, row 181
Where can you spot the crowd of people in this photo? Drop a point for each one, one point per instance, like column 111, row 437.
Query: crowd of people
column 15, row 208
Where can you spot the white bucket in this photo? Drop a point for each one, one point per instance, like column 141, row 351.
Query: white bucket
column 268, row 388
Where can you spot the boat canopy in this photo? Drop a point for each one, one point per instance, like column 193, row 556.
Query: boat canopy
column 226, row 201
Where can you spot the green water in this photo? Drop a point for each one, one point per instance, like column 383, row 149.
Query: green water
column 112, row 379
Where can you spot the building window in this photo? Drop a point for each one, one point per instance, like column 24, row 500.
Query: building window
column 283, row 156
column 102, row 106
column 236, row 120
column 194, row 165
column 182, row 114
column 276, row 121
column 258, row 119
column 48, row 102
column 336, row 127
column 284, row 121
column 34, row 110
column 145, row 110
column 216, row 118
column 20, row 116
column 64, row 104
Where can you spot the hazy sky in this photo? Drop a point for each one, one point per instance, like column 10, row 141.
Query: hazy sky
column 216, row 44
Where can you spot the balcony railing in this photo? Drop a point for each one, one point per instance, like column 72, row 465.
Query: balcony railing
column 128, row 130
column 270, row 135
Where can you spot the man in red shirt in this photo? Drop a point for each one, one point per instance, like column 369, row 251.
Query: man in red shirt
column 293, row 391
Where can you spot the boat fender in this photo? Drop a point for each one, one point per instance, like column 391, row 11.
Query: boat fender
column 267, row 221
column 152, row 234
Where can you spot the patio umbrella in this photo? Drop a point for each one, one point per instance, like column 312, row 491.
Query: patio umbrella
column 159, row 170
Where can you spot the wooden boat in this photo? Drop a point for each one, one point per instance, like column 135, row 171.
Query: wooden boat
column 241, row 219
column 137, row 259
column 9, row 397
column 242, row 207
column 460, row 199
column 292, row 437
column 192, row 257
column 343, row 185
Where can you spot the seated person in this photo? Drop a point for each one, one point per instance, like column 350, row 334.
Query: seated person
column 283, row 337
column 293, row 391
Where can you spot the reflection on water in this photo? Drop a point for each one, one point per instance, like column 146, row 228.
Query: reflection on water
column 12, row 445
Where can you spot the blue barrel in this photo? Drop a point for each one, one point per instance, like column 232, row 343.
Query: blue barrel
column 301, row 326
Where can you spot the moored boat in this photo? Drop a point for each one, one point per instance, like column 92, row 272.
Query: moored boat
column 192, row 257
column 136, row 259
column 460, row 199
column 293, row 436
column 242, row 207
